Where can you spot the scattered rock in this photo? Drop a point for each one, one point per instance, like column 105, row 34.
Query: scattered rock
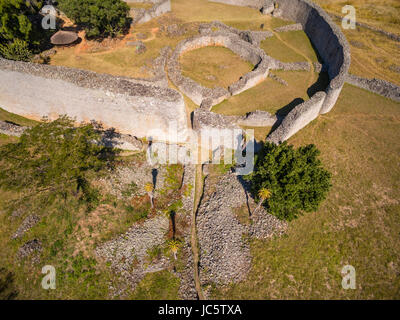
column 141, row 36
column 268, row 7
column 11, row 129
column 289, row 27
column 28, row 248
column 276, row 78
column 259, row 119
column 140, row 46
column 127, row 253
column 357, row 44
column 224, row 256
column 175, row 30
column 210, row 77
column 135, row 174
column 224, row 251
column 394, row 68
column 26, row 225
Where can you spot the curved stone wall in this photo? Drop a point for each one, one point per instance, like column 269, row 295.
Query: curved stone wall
column 328, row 40
column 256, row 4
column 142, row 15
column 332, row 47
column 206, row 97
column 133, row 107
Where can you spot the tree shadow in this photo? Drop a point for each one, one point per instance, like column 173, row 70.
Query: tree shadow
column 246, row 185
column 154, row 173
column 109, row 138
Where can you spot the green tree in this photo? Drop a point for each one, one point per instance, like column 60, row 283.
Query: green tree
column 99, row 18
column 19, row 37
column 54, row 158
column 14, row 22
column 295, row 178
column 16, row 50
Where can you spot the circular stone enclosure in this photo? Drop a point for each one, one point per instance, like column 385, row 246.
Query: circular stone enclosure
column 208, row 97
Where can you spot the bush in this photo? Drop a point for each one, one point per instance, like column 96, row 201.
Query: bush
column 295, row 178
column 16, row 50
column 14, row 20
column 100, row 18
column 19, row 37
column 55, row 158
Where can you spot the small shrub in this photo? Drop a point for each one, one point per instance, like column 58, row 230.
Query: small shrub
column 17, row 50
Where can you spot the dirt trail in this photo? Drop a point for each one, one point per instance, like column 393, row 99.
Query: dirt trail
column 83, row 46
column 153, row 35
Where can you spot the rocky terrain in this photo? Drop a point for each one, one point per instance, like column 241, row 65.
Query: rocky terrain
column 224, row 249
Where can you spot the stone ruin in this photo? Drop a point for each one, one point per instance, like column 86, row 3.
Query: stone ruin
column 206, row 97
column 141, row 15
column 331, row 45
column 146, row 108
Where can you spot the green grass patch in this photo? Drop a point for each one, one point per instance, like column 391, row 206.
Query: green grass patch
column 4, row 139
column 14, row 118
column 162, row 285
column 300, row 40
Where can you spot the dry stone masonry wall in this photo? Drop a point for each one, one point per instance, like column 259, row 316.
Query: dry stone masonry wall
column 145, row 109
column 207, row 97
column 332, row 47
column 378, row 86
column 133, row 107
column 141, row 15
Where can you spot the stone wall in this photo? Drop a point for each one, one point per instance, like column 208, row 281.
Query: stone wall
column 378, row 86
column 298, row 118
column 137, row 108
column 142, row 15
column 332, row 47
column 206, row 97
column 328, row 40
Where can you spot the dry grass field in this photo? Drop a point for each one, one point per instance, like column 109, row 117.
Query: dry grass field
column 384, row 14
column 359, row 140
column 138, row 5
column 117, row 59
column 214, row 66
column 278, row 48
column 270, row 95
column 373, row 55
column 359, row 223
